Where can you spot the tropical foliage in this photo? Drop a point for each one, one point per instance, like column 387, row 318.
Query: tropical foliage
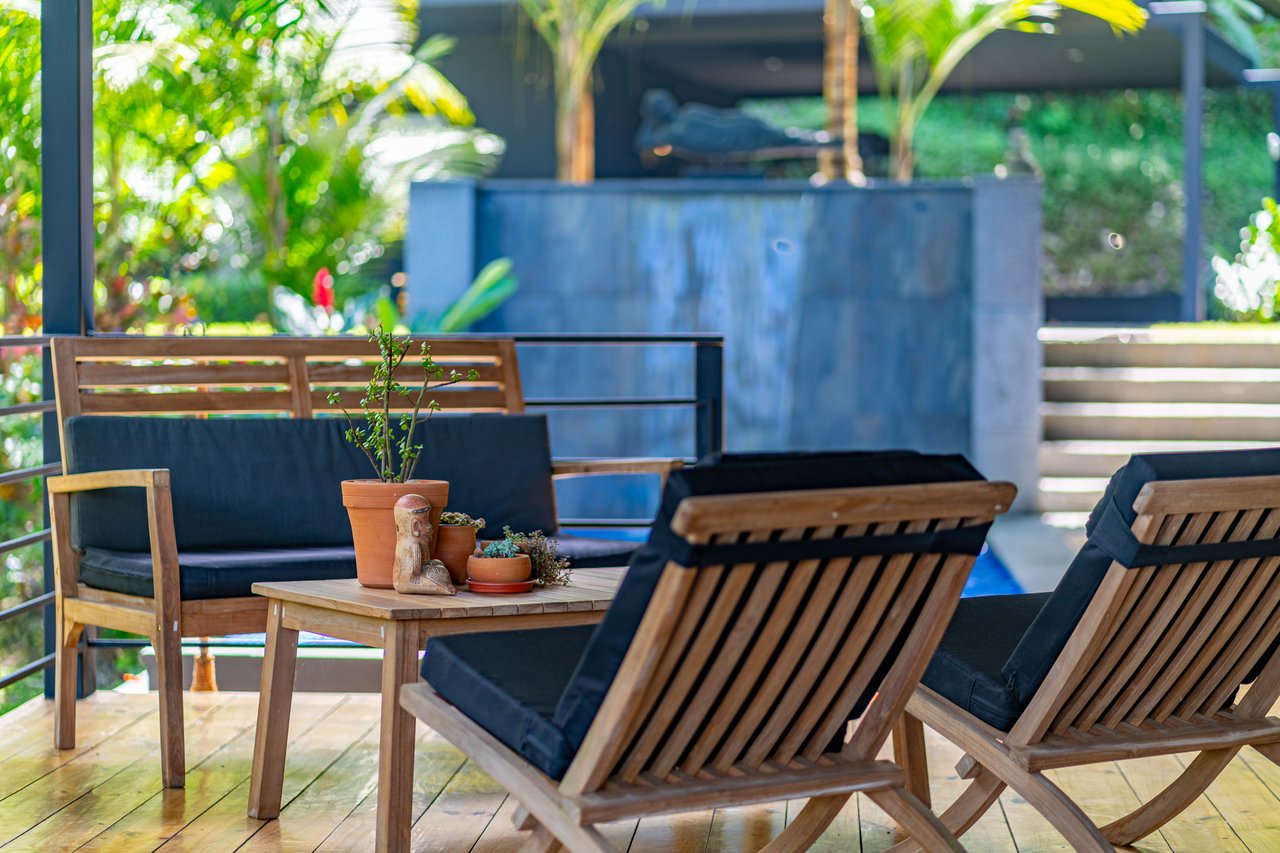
column 916, row 44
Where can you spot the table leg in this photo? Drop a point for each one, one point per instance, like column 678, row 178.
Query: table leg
column 275, row 701
column 395, row 745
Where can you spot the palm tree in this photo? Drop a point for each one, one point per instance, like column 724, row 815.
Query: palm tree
column 916, row 44
column 575, row 31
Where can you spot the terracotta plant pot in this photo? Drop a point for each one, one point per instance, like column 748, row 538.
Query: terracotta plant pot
column 454, row 544
column 369, row 505
column 499, row 569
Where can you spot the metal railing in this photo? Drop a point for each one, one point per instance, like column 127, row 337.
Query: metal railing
column 44, row 601
column 706, row 402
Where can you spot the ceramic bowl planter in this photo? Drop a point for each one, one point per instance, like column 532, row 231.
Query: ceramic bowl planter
column 499, row 569
column 370, row 506
column 454, row 544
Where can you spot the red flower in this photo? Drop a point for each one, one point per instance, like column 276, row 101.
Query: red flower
column 322, row 290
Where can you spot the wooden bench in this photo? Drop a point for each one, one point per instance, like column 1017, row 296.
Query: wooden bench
column 203, row 376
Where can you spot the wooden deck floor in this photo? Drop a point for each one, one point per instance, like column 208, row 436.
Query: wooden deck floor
column 106, row 794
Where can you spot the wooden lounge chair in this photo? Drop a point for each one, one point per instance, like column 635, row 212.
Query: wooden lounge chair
column 1144, row 649
column 776, row 600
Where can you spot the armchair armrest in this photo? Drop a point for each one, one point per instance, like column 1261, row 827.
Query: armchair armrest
column 146, row 478
column 588, row 467
column 164, row 549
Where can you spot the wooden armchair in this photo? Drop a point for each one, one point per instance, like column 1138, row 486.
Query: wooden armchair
column 1174, row 650
column 746, row 636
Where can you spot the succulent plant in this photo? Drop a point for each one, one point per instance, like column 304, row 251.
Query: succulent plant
column 460, row 519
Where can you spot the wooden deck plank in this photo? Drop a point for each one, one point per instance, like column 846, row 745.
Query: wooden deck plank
column 164, row 815
column 95, row 767
column 436, row 761
column 225, row 826
column 86, row 817
column 107, row 793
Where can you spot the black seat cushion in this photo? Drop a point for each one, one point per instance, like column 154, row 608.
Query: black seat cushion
column 586, row 552
column 217, row 574
column 967, row 666
column 509, row 683
column 1048, row 633
column 275, row 483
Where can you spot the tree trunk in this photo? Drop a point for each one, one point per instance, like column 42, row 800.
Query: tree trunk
column 831, row 160
column 853, row 168
column 904, row 157
column 575, row 119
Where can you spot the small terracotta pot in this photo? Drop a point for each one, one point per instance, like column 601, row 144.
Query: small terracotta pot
column 499, row 569
column 454, row 544
column 370, row 505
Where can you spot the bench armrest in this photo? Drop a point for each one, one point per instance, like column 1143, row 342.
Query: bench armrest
column 588, row 467
column 146, row 478
column 166, row 583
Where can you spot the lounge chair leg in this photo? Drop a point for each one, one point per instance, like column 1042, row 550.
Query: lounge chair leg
column 1170, row 802
column 910, row 754
column 914, row 817
column 972, row 804
column 173, row 759
column 64, row 709
column 1270, row 751
column 1047, row 798
column 522, row 820
column 812, row 821
column 542, row 841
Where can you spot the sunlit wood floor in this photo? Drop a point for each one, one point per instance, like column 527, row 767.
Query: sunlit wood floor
column 106, row 794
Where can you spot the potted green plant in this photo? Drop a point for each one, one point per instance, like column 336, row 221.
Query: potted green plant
column 455, row 542
column 545, row 566
column 502, row 561
column 388, row 440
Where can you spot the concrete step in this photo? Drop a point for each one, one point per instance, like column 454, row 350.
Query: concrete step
column 1161, row 385
column 1146, row 353
column 1161, row 421
column 1104, row 458
column 1070, row 494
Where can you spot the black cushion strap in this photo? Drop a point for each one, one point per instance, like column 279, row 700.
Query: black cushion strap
column 964, row 540
column 1113, row 535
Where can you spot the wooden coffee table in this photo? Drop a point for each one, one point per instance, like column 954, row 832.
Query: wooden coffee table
column 399, row 625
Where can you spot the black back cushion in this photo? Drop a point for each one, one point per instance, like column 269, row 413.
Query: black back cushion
column 275, row 483
column 1048, row 633
column 723, row 475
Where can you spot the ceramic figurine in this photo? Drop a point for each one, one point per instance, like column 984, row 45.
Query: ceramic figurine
column 414, row 570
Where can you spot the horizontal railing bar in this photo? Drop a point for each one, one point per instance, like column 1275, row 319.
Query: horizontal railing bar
column 40, row 601
column 37, row 665
column 99, row 643
column 609, row 402
column 27, row 408
column 23, row 541
column 19, row 474
column 24, row 341
column 640, row 339
column 605, row 522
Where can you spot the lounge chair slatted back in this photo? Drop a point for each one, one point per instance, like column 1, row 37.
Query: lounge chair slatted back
column 1174, row 650
column 1167, row 646
column 730, row 673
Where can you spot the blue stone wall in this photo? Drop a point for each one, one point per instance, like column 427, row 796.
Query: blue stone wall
column 849, row 314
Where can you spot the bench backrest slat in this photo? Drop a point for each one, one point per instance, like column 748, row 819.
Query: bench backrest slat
column 290, row 377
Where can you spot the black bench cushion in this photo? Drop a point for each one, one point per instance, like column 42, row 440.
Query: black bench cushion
column 509, row 682
column 252, row 483
column 599, row 658
column 586, row 552
column 978, row 642
column 217, row 574
column 1048, row 633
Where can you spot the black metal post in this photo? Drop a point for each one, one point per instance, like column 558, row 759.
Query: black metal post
column 709, row 390
column 1193, row 73
column 66, row 142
